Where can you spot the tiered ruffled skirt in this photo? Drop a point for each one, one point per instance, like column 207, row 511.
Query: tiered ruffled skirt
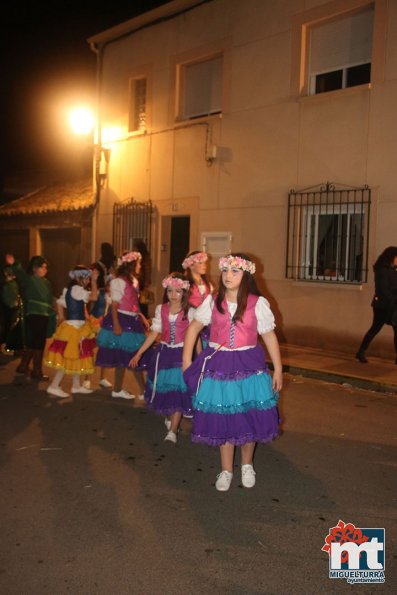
column 115, row 351
column 166, row 391
column 72, row 350
column 233, row 398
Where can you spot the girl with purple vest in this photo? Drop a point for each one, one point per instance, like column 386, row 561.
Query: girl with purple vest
column 235, row 398
column 72, row 350
column 166, row 392
column 123, row 327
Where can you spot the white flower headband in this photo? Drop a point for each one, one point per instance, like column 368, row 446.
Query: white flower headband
column 77, row 273
column 191, row 260
column 236, row 262
column 129, row 257
column 175, row 283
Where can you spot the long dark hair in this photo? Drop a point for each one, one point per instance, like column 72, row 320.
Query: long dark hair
column 185, row 294
column 189, row 276
column 385, row 259
column 247, row 286
column 127, row 270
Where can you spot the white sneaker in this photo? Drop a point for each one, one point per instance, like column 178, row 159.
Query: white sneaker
column 122, row 394
column 82, row 390
column 57, row 392
column 167, row 423
column 224, row 479
column 171, row 437
column 248, row 476
column 105, row 383
column 87, row 383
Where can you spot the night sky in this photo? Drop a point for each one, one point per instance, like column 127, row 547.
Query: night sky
column 47, row 64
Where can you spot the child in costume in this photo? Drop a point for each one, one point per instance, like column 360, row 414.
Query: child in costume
column 95, row 314
column 166, row 392
column 195, row 267
column 123, row 327
column 38, row 312
column 235, row 398
column 72, row 348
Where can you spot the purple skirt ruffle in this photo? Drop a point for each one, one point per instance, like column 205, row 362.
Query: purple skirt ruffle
column 166, row 391
column 116, row 351
column 233, row 399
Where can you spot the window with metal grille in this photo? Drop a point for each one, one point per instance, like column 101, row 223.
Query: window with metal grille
column 340, row 52
column 327, row 234
column 138, row 99
column 131, row 222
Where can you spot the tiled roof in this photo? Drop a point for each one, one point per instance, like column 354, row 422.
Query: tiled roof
column 66, row 196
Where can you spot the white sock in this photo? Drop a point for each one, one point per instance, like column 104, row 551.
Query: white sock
column 57, row 379
column 76, row 381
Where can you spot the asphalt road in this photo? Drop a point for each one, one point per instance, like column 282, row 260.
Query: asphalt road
column 94, row 502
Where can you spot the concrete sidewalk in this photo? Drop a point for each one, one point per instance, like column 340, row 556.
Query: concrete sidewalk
column 379, row 374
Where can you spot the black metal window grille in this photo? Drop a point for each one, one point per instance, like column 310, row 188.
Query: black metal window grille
column 327, row 234
column 132, row 221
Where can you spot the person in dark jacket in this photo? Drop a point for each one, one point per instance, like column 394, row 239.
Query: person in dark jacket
column 39, row 312
column 384, row 303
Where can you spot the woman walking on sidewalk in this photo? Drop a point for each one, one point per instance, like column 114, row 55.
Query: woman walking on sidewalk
column 39, row 313
column 235, row 398
column 384, row 303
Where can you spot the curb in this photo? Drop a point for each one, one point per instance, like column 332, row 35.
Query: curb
column 338, row 379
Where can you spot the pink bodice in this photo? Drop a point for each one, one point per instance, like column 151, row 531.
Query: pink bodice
column 195, row 297
column 234, row 335
column 173, row 333
column 129, row 301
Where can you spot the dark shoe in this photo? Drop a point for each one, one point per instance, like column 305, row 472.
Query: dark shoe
column 361, row 357
column 38, row 375
column 23, row 367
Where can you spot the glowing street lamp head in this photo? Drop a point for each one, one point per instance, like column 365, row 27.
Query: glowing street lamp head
column 81, row 121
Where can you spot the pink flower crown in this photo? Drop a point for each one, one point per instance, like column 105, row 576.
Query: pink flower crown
column 175, row 283
column 236, row 262
column 191, row 260
column 129, row 257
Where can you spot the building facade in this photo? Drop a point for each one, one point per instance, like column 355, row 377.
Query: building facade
column 267, row 127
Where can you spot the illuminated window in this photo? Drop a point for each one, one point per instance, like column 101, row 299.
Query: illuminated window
column 328, row 234
column 137, row 121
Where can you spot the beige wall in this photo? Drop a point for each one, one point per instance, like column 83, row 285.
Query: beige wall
column 270, row 138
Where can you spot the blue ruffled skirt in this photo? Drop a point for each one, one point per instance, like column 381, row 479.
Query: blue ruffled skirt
column 115, row 351
column 166, row 391
column 233, row 398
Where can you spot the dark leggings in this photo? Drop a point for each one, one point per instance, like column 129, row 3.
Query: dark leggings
column 36, row 331
column 380, row 317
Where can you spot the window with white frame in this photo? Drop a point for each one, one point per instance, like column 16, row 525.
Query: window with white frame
column 340, row 52
column 201, row 88
column 328, row 234
column 137, row 120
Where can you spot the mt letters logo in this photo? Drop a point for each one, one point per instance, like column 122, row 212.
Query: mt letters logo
column 357, row 555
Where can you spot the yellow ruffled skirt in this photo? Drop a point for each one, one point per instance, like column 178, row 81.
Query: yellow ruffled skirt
column 72, row 350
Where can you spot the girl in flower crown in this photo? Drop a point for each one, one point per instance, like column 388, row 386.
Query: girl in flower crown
column 166, row 393
column 195, row 267
column 123, row 327
column 72, row 348
column 235, row 398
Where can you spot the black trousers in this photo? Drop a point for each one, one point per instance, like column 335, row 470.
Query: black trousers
column 380, row 316
column 36, row 331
